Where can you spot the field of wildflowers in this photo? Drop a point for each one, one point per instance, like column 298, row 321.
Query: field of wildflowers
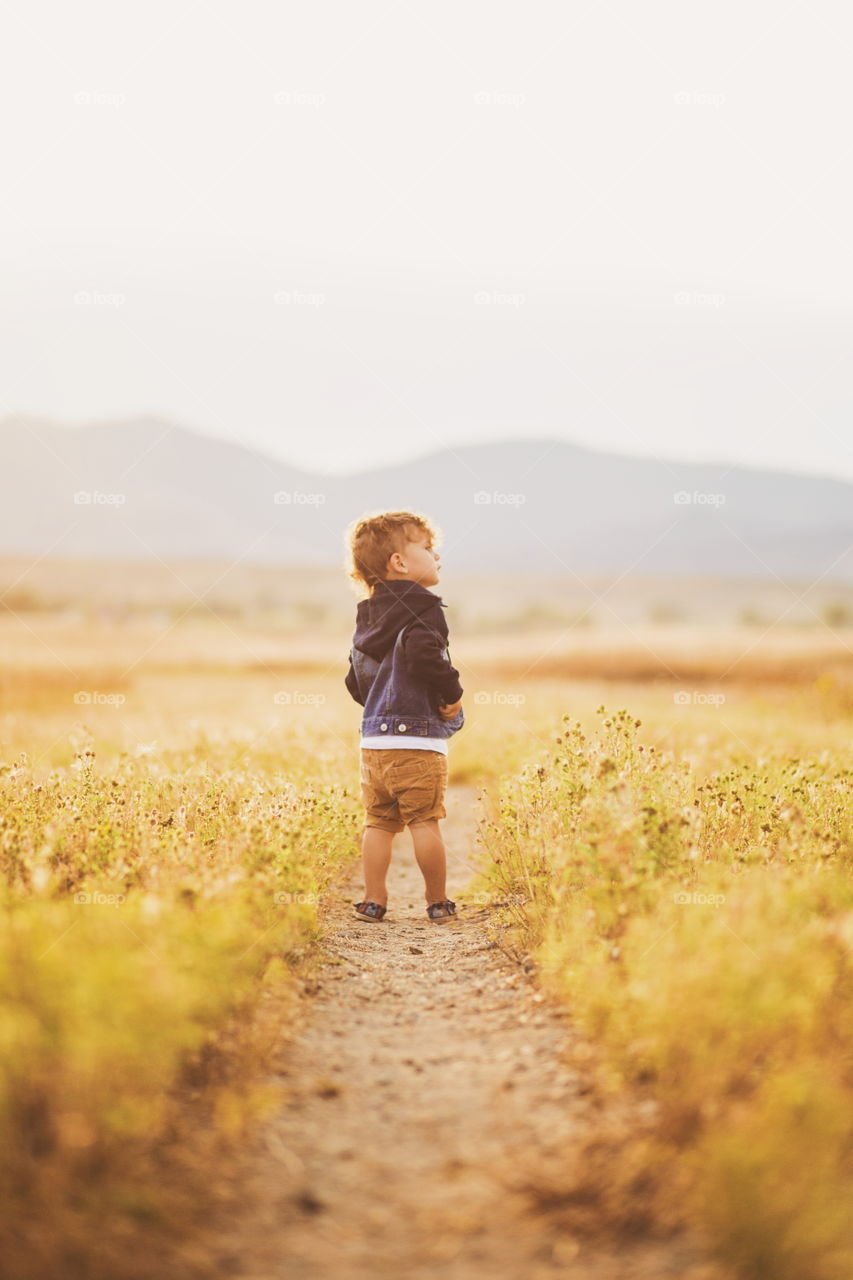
column 679, row 874
column 697, row 921
column 147, row 904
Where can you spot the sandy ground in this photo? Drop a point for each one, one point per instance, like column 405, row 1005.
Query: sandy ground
column 427, row 1078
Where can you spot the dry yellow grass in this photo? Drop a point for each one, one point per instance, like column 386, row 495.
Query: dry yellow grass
column 201, row 732
column 691, row 903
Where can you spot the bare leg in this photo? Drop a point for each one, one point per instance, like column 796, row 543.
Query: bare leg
column 431, row 858
column 375, row 861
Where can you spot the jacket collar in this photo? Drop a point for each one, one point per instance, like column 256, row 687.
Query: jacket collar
column 406, row 588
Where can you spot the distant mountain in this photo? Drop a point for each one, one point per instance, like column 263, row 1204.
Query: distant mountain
column 144, row 488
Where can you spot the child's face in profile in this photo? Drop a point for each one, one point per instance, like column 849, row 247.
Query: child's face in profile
column 422, row 563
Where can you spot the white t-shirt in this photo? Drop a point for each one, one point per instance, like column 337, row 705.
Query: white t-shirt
column 420, row 744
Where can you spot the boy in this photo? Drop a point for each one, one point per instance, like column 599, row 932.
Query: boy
column 400, row 673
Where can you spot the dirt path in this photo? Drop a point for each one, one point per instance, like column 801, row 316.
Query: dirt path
column 427, row 1074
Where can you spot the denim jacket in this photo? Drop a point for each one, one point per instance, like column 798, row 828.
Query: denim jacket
column 400, row 669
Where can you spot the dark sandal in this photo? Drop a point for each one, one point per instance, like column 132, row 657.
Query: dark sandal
column 372, row 911
column 441, row 911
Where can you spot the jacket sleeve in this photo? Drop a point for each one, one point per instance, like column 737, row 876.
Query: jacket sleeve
column 352, row 683
column 423, row 649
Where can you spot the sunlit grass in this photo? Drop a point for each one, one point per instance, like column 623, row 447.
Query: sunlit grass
column 146, row 902
column 698, row 923
column 204, row 792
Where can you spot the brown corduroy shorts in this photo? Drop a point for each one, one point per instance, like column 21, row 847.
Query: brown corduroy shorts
column 402, row 786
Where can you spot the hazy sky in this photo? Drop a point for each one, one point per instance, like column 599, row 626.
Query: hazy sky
column 347, row 233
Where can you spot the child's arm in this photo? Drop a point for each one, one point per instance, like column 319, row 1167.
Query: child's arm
column 423, row 649
column 352, row 683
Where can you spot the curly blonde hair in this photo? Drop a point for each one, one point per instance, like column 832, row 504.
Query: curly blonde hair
column 372, row 540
